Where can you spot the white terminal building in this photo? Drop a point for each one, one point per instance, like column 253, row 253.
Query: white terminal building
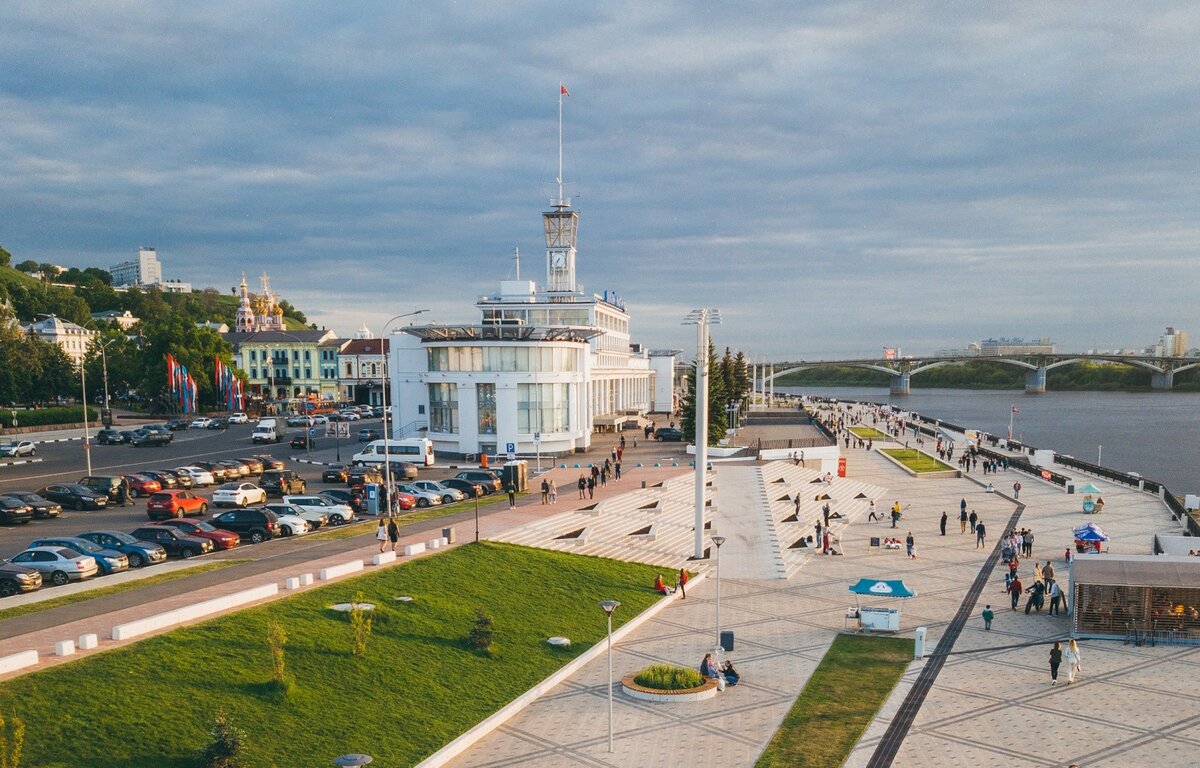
column 545, row 367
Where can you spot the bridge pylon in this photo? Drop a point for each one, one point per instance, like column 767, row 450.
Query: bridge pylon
column 1035, row 380
column 901, row 383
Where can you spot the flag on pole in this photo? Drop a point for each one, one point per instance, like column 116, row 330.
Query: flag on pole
column 562, row 89
column 1015, row 409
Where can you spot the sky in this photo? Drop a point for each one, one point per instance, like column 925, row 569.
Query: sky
column 835, row 177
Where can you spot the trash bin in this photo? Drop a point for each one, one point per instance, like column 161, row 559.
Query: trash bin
column 448, row 534
column 919, row 642
column 727, row 640
column 1070, row 488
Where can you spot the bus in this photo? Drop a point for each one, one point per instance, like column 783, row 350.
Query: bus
column 417, row 450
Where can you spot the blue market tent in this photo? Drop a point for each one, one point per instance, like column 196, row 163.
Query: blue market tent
column 882, row 588
column 1091, row 535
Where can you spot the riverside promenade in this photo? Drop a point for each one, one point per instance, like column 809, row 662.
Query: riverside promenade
column 991, row 702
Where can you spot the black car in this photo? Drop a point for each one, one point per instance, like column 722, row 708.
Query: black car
column 18, row 578
column 74, row 496
column 472, row 489
column 303, row 441
column 668, row 434
column 219, row 423
column 142, row 438
column 176, row 425
column 109, row 485
column 173, row 541
column 165, row 479
column 489, row 481
column 281, row 482
column 334, row 473
column 182, row 479
column 160, row 429
column 255, row 523
column 357, row 501
column 362, row 475
column 42, row 508
column 140, row 553
column 14, row 512
column 109, row 437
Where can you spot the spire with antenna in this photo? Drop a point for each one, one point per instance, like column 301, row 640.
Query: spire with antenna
column 562, row 91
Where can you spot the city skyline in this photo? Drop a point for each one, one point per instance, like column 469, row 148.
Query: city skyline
column 867, row 177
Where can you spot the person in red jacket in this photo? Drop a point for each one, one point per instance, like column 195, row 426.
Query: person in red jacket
column 683, row 579
column 1015, row 588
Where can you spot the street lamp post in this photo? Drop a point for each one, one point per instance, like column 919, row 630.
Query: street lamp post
column 387, row 432
column 718, row 541
column 609, row 606
column 701, row 318
column 87, row 441
column 477, row 492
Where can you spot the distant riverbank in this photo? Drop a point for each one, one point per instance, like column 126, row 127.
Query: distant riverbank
column 1081, row 377
column 1152, row 433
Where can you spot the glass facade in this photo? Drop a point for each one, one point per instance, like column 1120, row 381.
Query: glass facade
column 1104, row 609
column 485, row 398
column 443, row 408
column 543, row 408
column 504, row 359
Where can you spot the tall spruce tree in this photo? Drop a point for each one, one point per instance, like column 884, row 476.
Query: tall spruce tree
column 717, row 400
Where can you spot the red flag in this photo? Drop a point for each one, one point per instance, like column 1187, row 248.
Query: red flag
column 563, row 90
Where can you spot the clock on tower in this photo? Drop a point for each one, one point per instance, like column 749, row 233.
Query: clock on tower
column 562, row 227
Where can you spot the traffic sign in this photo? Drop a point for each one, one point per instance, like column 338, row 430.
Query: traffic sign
column 510, row 447
column 537, row 437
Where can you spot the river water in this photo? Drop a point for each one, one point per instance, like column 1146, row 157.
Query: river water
column 1152, row 433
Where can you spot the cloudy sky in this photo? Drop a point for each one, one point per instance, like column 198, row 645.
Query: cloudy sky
column 836, row 177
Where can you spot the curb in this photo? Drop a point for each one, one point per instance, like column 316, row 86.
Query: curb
column 22, row 461
column 517, row 705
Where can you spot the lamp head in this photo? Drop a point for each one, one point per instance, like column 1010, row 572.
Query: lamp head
column 718, row 540
column 609, row 606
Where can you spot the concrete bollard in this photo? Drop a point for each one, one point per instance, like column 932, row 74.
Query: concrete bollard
column 89, row 641
column 383, row 557
column 306, row 579
column 292, row 582
column 413, row 549
column 64, row 648
column 434, row 543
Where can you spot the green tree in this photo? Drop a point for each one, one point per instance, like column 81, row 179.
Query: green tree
column 717, row 419
column 5, row 257
column 194, row 347
column 29, row 266
column 226, row 746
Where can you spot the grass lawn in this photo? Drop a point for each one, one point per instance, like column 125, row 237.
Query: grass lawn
column 842, row 696
column 869, row 433
column 125, row 586
column 917, row 461
column 418, row 687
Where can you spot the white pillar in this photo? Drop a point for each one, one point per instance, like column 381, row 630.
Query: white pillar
column 701, row 427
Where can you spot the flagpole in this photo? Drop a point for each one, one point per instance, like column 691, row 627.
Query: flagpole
column 1011, row 410
column 560, row 171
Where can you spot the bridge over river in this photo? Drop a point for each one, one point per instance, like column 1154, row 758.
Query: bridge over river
column 1036, row 366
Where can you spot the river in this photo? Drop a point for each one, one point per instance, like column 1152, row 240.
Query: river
column 1152, row 433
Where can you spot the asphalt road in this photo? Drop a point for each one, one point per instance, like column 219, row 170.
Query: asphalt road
column 65, row 462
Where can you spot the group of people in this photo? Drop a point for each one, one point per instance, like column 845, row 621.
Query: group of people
column 680, row 584
column 974, row 521
column 549, row 491
column 1070, row 655
column 386, row 531
column 724, row 674
column 1015, row 546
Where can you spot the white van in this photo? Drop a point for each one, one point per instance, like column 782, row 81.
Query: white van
column 416, row 450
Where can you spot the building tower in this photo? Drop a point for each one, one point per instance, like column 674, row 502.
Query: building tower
column 562, row 226
column 245, row 322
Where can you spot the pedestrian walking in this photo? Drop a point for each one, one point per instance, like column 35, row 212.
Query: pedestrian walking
column 681, row 584
column 554, row 490
column 962, row 520
column 962, row 506
column 511, row 490
column 895, row 513
column 545, row 490
column 1056, row 596
column 972, row 519
column 980, row 535
column 1015, row 588
column 988, row 615
column 591, row 487
column 617, row 471
column 1072, row 655
column 1048, row 571
column 1037, row 572
column 381, row 534
column 1017, row 490
column 825, row 513
column 909, row 544
column 393, row 531
column 1028, row 543
column 582, row 484
column 1056, row 657
column 945, row 517
column 796, row 504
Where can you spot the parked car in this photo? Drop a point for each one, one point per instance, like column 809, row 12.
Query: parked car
column 668, row 434
column 74, row 496
column 270, row 462
column 202, row 530
column 176, row 425
column 176, row 543
column 160, row 429
column 238, row 495
column 313, row 518
column 200, row 478
column 239, row 418
column 255, row 525
column 281, row 482
column 449, row 495
column 297, row 421
column 109, row 560
column 14, row 511
column 182, row 479
column 489, row 481
column 142, row 485
column 469, row 489
column 220, row 474
column 16, row 578
column 350, row 416
column 353, row 499
column 140, row 553
column 109, row 437
column 234, row 468
column 255, row 466
column 201, row 423
column 17, row 448
column 42, row 508
column 58, row 564
column 339, row 514
column 367, row 434
column 334, row 473
column 362, row 476
column 109, row 485
column 142, row 438
column 165, row 479
column 176, row 503
column 424, row 498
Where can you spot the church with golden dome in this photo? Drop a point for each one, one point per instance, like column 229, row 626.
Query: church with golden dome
column 259, row 312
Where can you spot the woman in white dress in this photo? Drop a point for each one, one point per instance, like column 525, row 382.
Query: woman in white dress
column 1072, row 659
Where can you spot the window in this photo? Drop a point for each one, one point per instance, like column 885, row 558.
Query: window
column 543, row 408
column 307, row 356
column 348, row 371
column 443, row 408
column 485, row 398
column 308, row 373
column 253, row 354
column 254, row 373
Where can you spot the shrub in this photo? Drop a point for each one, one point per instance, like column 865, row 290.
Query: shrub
column 226, row 746
column 360, row 623
column 12, row 741
column 71, row 414
column 276, row 639
column 668, row 677
column 480, row 636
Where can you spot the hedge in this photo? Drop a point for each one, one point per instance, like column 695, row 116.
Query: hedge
column 72, row 414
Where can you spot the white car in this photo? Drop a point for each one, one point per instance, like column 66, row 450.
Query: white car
column 239, row 495
column 200, row 423
column 18, row 448
column 338, row 513
column 200, row 477
column 424, row 498
column 318, row 419
column 350, row 416
column 314, row 518
column 449, row 495
column 239, row 418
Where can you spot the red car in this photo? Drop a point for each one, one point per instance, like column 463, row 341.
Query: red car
column 141, row 485
column 202, row 530
column 175, row 503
